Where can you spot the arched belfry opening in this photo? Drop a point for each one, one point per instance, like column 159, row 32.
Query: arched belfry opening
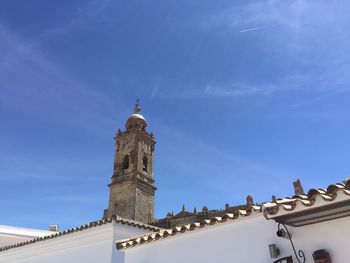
column 126, row 161
column 145, row 163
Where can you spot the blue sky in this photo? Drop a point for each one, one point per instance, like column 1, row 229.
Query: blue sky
column 243, row 97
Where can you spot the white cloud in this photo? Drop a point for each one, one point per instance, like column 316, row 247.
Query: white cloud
column 154, row 92
column 251, row 29
column 86, row 16
column 318, row 98
column 238, row 90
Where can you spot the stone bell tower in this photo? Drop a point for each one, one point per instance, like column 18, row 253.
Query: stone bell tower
column 132, row 188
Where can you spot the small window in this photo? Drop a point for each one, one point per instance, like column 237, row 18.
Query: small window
column 126, row 162
column 145, row 163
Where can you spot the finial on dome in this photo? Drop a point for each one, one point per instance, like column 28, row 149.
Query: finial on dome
column 137, row 108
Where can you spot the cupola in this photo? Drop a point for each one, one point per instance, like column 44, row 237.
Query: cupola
column 136, row 120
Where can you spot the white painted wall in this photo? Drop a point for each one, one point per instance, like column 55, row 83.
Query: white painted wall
column 245, row 241
column 90, row 246
column 93, row 245
column 334, row 236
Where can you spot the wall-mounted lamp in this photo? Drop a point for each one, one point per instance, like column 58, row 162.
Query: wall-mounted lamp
column 274, row 251
column 284, row 232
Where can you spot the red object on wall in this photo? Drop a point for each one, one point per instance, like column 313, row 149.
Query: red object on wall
column 321, row 256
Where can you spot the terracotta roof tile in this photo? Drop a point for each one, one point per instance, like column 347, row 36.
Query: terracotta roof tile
column 307, row 200
column 118, row 220
column 127, row 243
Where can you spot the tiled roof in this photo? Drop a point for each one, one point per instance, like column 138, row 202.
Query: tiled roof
column 118, row 220
column 127, row 243
column 306, row 200
column 270, row 208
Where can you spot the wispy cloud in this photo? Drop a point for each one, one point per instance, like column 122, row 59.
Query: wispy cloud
column 303, row 88
column 316, row 99
column 184, row 91
column 295, row 24
column 154, row 92
column 86, row 16
column 239, row 90
column 310, row 35
column 220, row 90
column 251, row 29
column 309, row 65
column 230, row 89
column 30, row 83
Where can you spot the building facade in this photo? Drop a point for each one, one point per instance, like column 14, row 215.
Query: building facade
column 317, row 224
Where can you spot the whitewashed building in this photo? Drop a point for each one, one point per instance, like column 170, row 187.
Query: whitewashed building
column 317, row 221
column 93, row 242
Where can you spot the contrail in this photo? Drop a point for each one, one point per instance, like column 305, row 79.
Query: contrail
column 251, row 29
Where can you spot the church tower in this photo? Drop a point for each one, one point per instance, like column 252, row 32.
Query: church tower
column 131, row 192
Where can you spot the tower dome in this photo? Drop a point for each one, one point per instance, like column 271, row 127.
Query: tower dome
column 136, row 120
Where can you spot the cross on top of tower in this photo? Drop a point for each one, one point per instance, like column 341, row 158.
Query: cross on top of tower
column 137, row 108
